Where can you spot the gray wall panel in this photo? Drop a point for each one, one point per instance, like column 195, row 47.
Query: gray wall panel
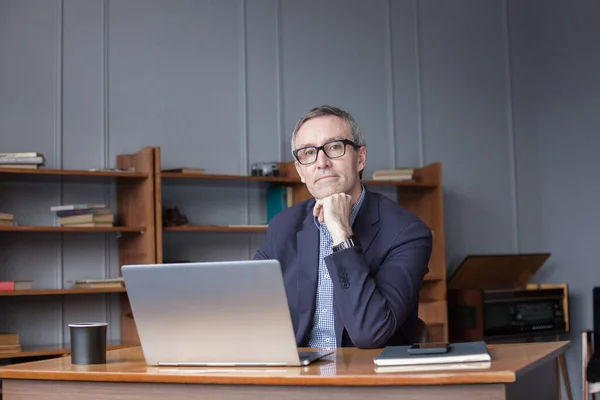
column 465, row 101
column 220, row 84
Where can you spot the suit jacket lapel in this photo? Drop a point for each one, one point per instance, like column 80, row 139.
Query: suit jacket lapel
column 366, row 225
column 308, row 269
column 365, row 228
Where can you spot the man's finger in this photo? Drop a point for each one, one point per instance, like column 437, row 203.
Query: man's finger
column 317, row 208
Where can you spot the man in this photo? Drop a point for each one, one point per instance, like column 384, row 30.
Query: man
column 352, row 260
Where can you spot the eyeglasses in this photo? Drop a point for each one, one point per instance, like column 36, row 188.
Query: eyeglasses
column 333, row 149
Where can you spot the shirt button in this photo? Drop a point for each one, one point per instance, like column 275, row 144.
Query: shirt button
column 324, row 310
column 327, row 276
column 327, row 340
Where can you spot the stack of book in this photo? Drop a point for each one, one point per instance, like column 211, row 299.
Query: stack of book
column 457, row 356
column 9, row 343
column 7, row 219
column 21, row 160
column 99, row 283
column 398, row 174
column 84, row 215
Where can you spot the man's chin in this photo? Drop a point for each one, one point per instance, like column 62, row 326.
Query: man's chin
column 324, row 192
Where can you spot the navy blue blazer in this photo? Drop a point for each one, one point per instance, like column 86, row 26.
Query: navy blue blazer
column 376, row 286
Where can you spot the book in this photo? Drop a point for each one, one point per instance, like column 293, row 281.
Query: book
column 6, row 216
column 99, row 283
column 185, row 170
column 476, row 365
column 26, row 154
column 22, row 160
column 93, row 211
column 9, row 339
column 10, row 348
column 19, row 166
column 457, row 353
column 15, row 285
column 88, row 225
column 107, row 280
column 276, row 201
column 78, row 219
column 76, row 207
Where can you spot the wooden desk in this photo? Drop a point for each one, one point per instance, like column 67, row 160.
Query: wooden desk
column 349, row 375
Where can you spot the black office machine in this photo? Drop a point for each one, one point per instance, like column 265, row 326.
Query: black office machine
column 489, row 298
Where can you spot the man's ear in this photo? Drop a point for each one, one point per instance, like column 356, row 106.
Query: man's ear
column 299, row 170
column 362, row 158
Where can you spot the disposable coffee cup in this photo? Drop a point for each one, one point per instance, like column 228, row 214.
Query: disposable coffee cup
column 88, row 343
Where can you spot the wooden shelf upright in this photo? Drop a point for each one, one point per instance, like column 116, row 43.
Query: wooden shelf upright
column 136, row 203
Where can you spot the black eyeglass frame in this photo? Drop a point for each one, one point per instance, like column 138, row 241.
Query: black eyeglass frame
column 322, row 147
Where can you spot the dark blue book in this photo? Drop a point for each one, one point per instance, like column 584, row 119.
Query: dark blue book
column 457, row 353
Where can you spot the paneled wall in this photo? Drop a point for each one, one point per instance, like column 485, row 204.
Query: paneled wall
column 220, row 84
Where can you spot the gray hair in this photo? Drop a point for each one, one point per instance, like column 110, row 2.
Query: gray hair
column 324, row 110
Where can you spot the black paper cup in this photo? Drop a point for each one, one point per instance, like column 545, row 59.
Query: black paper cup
column 88, row 343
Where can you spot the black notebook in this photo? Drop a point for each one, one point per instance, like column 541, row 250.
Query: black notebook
column 457, row 353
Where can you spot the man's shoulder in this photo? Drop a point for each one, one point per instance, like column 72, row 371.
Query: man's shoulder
column 392, row 213
column 292, row 217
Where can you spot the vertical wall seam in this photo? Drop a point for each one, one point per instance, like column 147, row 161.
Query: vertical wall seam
column 512, row 161
column 391, row 104
column 58, row 148
column 243, row 71
column 106, row 149
column 281, row 135
column 243, row 76
column 419, row 91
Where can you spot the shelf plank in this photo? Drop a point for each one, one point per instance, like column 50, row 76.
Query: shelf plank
column 56, row 292
column 36, row 352
column 71, row 229
column 215, row 228
column 225, row 177
column 283, row 179
column 400, row 184
column 74, row 172
column 41, row 351
column 433, row 276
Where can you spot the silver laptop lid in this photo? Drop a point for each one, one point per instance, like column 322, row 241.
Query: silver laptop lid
column 212, row 313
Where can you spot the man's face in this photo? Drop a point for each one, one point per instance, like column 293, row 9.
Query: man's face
column 327, row 176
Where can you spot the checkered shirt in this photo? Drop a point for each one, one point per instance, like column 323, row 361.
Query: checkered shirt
column 322, row 333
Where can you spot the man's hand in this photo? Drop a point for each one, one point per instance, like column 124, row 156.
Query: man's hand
column 335, row 211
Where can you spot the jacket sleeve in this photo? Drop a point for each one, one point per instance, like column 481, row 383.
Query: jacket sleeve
column 265, row 252
column 374, row 304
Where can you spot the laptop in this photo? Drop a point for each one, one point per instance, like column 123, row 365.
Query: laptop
column 225, row 313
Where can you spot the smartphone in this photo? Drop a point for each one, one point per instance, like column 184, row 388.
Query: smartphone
column 429, row 348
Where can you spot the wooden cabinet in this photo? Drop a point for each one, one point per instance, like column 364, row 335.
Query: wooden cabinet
column 423, row 196
column 134, row 229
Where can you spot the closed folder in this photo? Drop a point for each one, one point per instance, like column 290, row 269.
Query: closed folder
column 457, row 353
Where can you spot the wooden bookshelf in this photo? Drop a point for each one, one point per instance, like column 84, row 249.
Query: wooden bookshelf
column 422, row 196
column 134, row 182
